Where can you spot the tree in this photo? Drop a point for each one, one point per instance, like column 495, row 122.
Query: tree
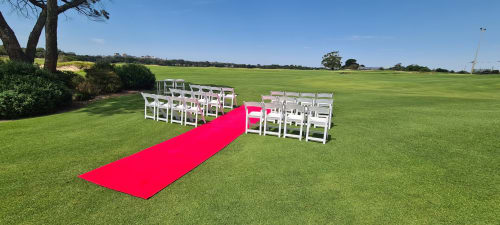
column 46, row 12
column 351, row 64
column 398, row 67
column 332, row 60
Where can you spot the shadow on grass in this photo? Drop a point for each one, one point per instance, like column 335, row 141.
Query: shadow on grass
column 120, row 105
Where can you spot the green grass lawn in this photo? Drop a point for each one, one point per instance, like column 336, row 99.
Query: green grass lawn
column 405, row 149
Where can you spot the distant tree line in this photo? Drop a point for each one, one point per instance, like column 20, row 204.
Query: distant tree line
column 148, row 60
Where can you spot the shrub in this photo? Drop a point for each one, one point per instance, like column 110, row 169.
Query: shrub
column 136, row 77
column 101, row 79
column 26, row 90
column 441, row 70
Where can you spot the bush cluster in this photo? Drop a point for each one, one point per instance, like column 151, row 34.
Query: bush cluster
column 27, row 90
column 136, row 77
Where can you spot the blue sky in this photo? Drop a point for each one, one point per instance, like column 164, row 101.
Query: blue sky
column 435, row 33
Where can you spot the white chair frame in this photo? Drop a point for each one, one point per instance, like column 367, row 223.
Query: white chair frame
column 151, row 103
column 229, row 94
column 254, row 114
column 163, row 107
column 314, row 118
column 275, row 115
column 178, row 105
column 214, row 100
column 294, row 113
column 193, row 107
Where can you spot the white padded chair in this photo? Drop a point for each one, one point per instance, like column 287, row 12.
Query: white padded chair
column 288, row 100
column 229, row 95
column 294, row 113
column 163, row 107
column 214, row 104
column 175, row 92
column 178, row 106
column 149, row 103
column 275, row 116
column 292, row 94
column 255, row 115
column 206, row 89
column 277, row 93
column 195, row 87
column 314, row 119
column 179, row 84
column 326, row 103
column 193, row 108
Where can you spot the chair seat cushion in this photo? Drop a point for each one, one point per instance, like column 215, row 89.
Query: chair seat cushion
column 274, row 115
column 295, row 117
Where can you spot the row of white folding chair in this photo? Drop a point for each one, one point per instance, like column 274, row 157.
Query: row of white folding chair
column 210, row 101
column 307, row 102
column 161, row 105
column 291, row 113
column 227, row 94
column 302, row 94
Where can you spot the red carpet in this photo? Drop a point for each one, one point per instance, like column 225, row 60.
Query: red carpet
column 147, row 172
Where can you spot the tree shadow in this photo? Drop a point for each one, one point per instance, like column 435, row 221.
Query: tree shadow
column 128, row 104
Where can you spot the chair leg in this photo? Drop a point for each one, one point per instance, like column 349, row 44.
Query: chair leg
column 307, row 131
column 260, row 125
column 300, row 133
column 325, row 134
column 265, row 126
column 279, row 128
column 246, row 125
column 284, row 130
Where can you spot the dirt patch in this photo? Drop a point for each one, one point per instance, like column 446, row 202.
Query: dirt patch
column 69, row 68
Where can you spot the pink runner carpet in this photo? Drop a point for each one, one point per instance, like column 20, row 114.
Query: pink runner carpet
column 147, row 172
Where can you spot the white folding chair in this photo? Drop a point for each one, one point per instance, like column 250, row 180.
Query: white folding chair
column 324, row 95
column 292, row 94
column 163, row 107
column 308, row 95
column 167, row 85
column 294, row 113
column 249, row 114
column 326, row 103
column 193, row 108
column 149, row 102
column 314, row 118
column 179, row 84
column 228, row 95
column 206, row 89
column 187, row 94
column 175, row 92
column 275, row 115
column 178, row 106
column 277, row 93
column 214, row 104
column 195, row 87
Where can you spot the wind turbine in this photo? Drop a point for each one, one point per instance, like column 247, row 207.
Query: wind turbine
column 482, row 30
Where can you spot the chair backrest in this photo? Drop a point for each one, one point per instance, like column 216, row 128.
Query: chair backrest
column 205, row 88
column 193, row 102
column 277, row 93
column 164, row 98
column 273, row 107
column 324, row 95
column 195, row 88
column 268, row 98
column 305, row 101
column 308, row 95
column 176, row 92
column 213, row 96
column 179, row 83
column 324, row 102
column 177, row 101
column 148, row 98
column 288, row 100
column 216, row 90
column 315, row 110
column 291, row 94
column 187, row 94
column 226, row 90
column 295, row 109
column 252, row 104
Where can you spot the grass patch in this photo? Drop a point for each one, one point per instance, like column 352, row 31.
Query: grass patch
column 405, row 149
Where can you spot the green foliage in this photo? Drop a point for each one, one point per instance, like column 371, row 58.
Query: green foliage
column 26, row 90
column 332, row 60
column 102, row 79
column 417, row 68
column 136, row 77
column 441, row 70
column 398, row 67
column 351, row 64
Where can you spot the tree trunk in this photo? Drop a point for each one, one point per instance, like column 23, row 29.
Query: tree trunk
column 10, row 42
column 51, row 51
column 35, row 36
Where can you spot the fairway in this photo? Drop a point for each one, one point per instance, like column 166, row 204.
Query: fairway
column 405, row 148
